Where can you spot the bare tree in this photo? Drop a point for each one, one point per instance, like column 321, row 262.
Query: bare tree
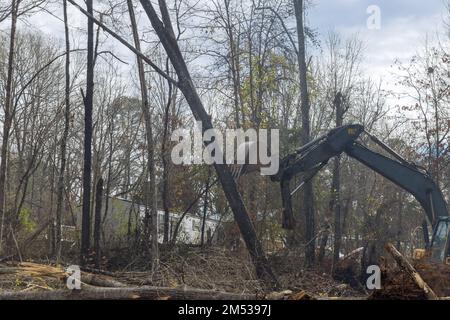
column 151, row 222
column 8, row 116
column 307, row 194
column 63, row 143
column 87, row 168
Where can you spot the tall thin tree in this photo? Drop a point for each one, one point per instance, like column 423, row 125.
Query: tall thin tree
column 335, row 202
column 308, row 193
column 151, row 227
column 87, row 167
column 63, row 142
column 8, row 116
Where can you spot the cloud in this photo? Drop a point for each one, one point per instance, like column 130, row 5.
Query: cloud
column 398, row 39
column 404, row 23
column 405, row 26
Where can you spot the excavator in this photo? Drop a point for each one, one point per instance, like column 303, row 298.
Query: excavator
column 312, row 157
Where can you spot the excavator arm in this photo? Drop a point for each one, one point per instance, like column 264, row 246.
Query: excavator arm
column 418, row 183
column 313, row 156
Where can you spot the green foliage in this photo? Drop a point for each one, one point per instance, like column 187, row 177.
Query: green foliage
column 25, row 220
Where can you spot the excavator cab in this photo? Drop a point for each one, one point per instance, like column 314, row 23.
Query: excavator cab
column 440, row 244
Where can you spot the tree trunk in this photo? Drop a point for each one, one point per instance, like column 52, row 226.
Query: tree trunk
column 109, row 174
column 327, row 227
column 165, row 33
column 307, row 195
column 98, row 220
column 323, row 243
column 288, row 221
column 63, row 143
column 7, row 119
column 165, row 173
column 205, row 208
column 150, row 198
column 335, row 204
column 234, row 65
column 87, row 167
column 426, row 234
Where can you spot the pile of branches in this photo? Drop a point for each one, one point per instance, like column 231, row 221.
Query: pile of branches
column 289, row 266
column 208, row 268
column 96, row 286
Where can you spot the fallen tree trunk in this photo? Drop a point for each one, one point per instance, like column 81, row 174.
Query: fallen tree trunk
column 144, row 292
column 29, row 269
column 100, row 281
column 408, row 268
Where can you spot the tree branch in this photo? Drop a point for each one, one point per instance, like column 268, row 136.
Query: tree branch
column 125, row 43
column 294, row 45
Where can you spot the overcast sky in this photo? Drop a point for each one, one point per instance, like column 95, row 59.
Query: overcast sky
column 404, row 26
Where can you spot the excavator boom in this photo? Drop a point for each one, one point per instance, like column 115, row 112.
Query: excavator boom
column 313, row 156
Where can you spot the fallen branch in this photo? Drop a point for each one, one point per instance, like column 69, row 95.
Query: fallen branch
column 97, row 271
column 408, row 268
column 144, row 292
column 352, row 254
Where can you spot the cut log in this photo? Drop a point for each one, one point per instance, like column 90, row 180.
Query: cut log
column 9, row 270
column 98, row 271
column 142, row 293
column 411, row 271
column 100, row 281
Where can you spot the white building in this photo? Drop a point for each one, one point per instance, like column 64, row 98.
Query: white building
column 123, row 216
